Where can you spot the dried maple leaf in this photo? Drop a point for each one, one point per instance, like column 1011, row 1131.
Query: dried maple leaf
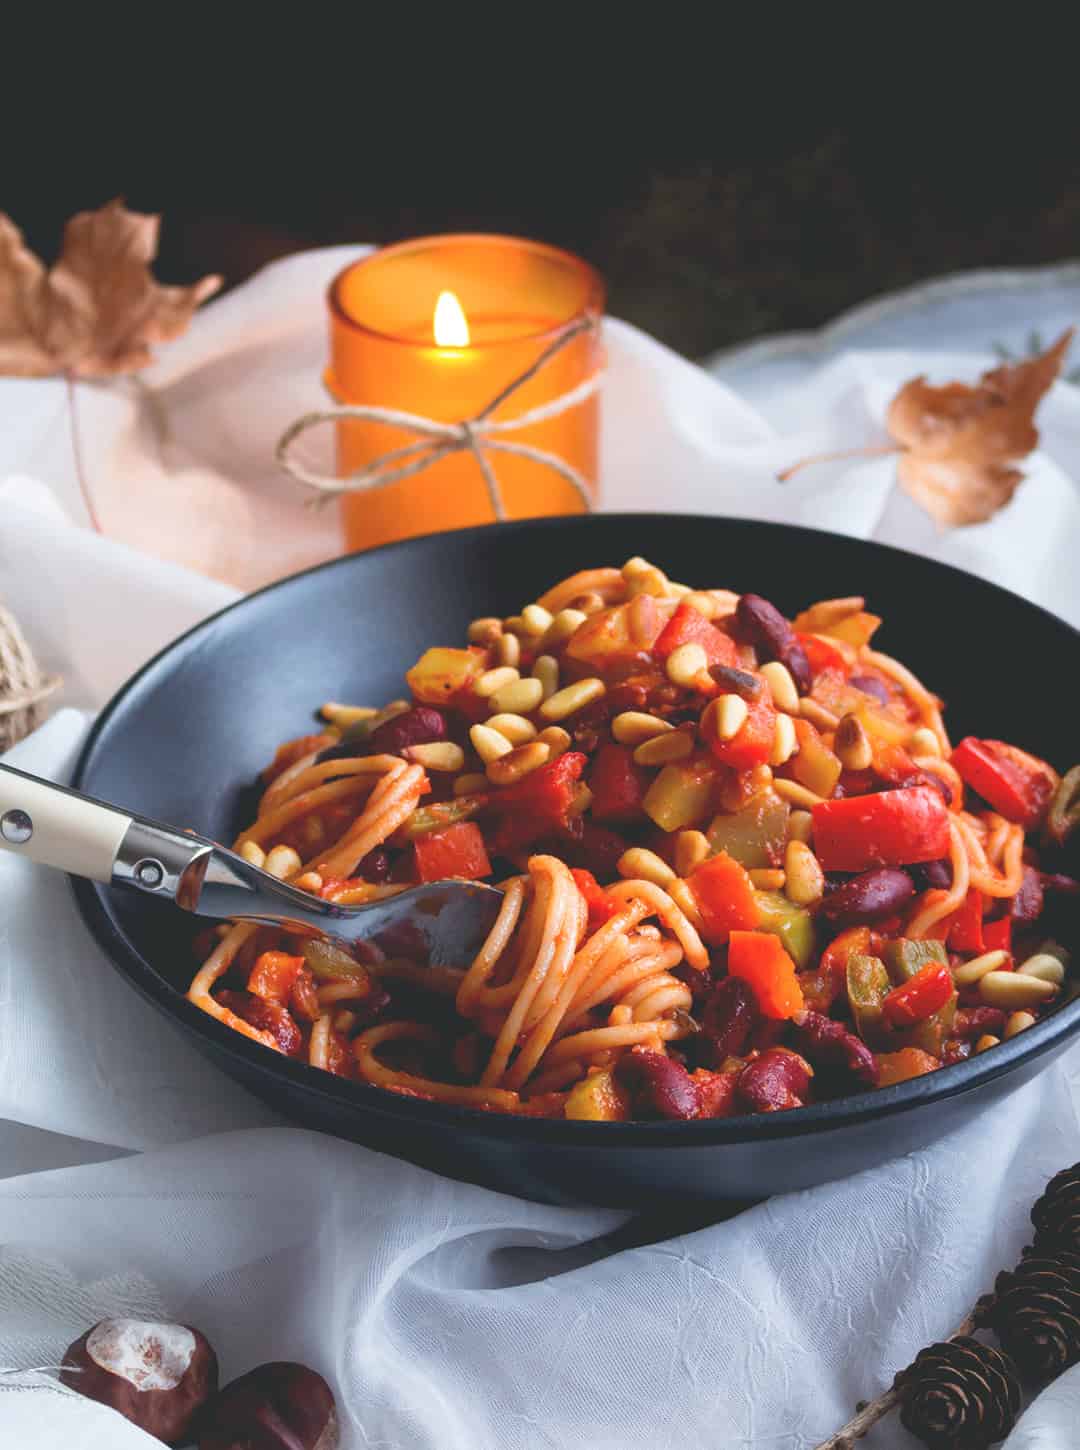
column 98, row 310
column 961, row 443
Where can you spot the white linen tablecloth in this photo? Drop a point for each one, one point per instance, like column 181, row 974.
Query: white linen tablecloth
column 136, row 1179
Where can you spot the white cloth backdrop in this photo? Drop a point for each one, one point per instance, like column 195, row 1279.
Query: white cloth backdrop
column 137, row 1179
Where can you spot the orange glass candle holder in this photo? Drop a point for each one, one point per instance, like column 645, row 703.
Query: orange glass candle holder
column 509, row 301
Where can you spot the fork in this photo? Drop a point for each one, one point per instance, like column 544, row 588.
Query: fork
column 445, row 921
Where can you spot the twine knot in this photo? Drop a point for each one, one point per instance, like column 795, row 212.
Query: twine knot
column 23, row 686
column 481, row 435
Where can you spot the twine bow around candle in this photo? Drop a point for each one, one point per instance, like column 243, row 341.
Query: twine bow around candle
column 23, row 686
column 480, row 435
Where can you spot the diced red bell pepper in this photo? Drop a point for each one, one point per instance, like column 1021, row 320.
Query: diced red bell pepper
column 753, row 744
column 759, row 959
column 724, row 895
column 618, row 785
column 891, row 828
column 919, row 997
column 689, row 626
column 601, row 907
column 264, row 1016
column 273, row 975
column 821, row 985
column 536, row 805
column 822, row 655
column 964, row 928
column 997, row 935
column 1016, row 784
column 457, row 851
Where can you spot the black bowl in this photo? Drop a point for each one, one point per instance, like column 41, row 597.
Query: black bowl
column 184, row 740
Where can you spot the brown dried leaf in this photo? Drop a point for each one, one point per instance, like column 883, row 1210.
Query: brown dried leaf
column 961, row 443
column 98, row 311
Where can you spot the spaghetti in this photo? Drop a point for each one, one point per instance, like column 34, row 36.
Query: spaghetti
column 840, row 862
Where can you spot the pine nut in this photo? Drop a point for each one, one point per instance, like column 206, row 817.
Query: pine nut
column 987, row 1040
column 633, row 727
column 492, row 680
column 852, row 744
column 785, row 741
column 546, row 670
column 685, row 664
column 518, row 698
column 536, row 619
column 516, row 728
column 565, row 623
column 767, row 878
column 253, row 854
column 509, row 650
column 1014, row 990
column 637, row 864
column 438, row 755
column 470, row 784
column 556, row 739
column 796, row 794
column 488, row 743
column 683, row 897
column 1018, row 1022
column 800, row 826
column 924, row 742
column 571, row 699
column 817, row 714
column 704, row 603
column 345, row 715
column 729, row 714
column 691, row 848
column 663, row 749
column 1044, row 966
column 805, row 881
column 281, row 862
column 506, row 769
column 310, row 881
column 781, row 686
column 969, row 972
column 484, row 631
column 389, row 712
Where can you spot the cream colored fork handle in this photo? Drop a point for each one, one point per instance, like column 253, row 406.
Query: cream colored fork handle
column 58, row 828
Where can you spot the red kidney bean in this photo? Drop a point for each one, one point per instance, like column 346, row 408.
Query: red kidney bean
column 763, row 625
column 869, row 897
column 375, row 867
column 419, row 726
column 773, row 1082
column 830, row 1045
column 658, row 1086
column 794, row 656
column 934, row 874
column 727, row 1018
column 971, row 1022
column 871, row 686
column 267, row 1017
column 1027, row 904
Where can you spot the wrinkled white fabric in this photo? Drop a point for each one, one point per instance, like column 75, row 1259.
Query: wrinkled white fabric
column 135, row 1179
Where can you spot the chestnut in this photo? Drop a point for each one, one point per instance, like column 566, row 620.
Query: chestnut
column 279, row 1406
column 155, row 1375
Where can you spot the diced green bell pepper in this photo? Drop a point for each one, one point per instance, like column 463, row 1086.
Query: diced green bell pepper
column 754, row 836
column 792, row 924
column 931, row 1032
column 906, row 956
column 867, row 987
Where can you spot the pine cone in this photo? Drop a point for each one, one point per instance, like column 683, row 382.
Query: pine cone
column 1056, row 1215
column 961, row 1395
column 1035, row 1313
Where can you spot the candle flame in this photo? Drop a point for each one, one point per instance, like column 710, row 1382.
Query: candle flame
column 451, row 326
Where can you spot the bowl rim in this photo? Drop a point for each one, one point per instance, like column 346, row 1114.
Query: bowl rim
column 947, row 1082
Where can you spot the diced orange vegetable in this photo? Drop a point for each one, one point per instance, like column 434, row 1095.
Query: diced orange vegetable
column 598, row 1098
column 761, row 961
column 753, row 744
column 894, row 1067
column 440, row 674
column 814, row 765
column 822, row 655
column 725, row 897
column 601, row 907
column 856, row 629
column 689, row 626
column 457, row 851
column 273, row 975
column 620, row 634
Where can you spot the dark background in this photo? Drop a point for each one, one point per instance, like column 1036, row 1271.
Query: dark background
column 723, row 192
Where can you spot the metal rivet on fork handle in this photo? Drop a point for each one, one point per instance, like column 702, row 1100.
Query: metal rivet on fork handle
column 16, row 827
column 149, row 873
